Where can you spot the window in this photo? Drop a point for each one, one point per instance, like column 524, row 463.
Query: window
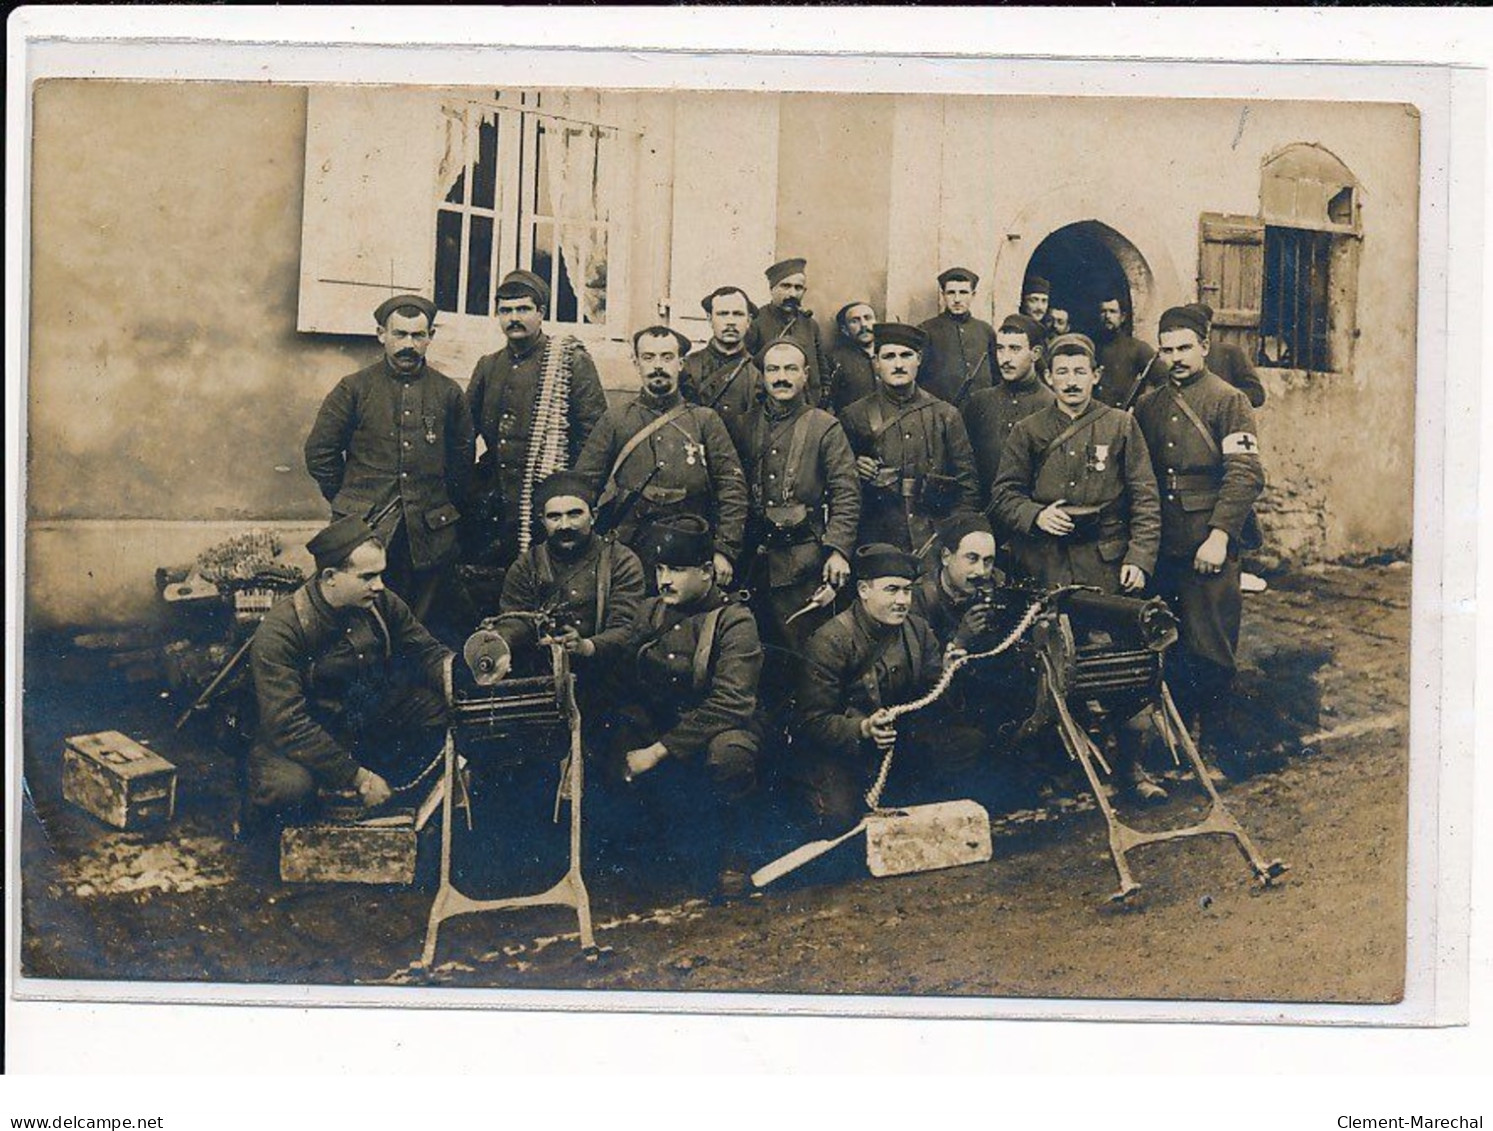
column 528, row 181
column 1293, row 314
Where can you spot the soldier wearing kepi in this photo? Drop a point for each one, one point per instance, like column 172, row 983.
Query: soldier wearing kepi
column 393, row 444
column 658, row 455
column 960, row 359
column 990, row 414
column 912, row 452
column 875, row 655
column 1075, row 490
column 805, row 509
column 688, row 724
column 851, row 376
column 1206, row 453
column 534, row 403
column 350, row 687
column 722, row 375
column 785, row 319
column 1036, row 301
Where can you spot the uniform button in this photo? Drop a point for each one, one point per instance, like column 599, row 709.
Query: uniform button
column 406, row 412
column 406, row 443
column 404, row 475
column 771, row 475
column 1170, row 444
column 672, row 656
column 1174, row 420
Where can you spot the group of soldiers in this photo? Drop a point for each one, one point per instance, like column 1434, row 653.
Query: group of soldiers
column 765, row 548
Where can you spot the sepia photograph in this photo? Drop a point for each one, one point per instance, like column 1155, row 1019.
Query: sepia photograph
column 796, row 546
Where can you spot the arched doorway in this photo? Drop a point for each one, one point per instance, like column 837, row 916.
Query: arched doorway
column 1087, row 262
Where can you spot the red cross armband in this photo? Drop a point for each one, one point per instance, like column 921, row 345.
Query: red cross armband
column 1240, row 444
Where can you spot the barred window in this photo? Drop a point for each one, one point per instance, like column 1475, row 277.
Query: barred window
column 1294, row 301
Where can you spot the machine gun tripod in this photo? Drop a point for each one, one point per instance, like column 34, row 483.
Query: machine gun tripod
column 1099, row 656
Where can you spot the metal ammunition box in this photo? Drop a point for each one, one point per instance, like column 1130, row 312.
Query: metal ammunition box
column 117, row 780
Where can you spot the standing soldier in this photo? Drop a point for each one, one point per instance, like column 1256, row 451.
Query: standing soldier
column 960, row 358
column 912, row 452
column 1036, row 301
column 1059, row 320
column 805, row 504
column 785, row 319
column 1206, row 452
column 721, row 374
column 534, row 402
column 990, row 414
column 849, row 359
column 1230, row 362
column 393, row 444
column 1124, row 360
column 658, row 455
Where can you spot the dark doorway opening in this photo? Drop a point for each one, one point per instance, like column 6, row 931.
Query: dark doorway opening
column 1086, row 263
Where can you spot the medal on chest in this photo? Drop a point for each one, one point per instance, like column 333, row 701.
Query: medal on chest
column 1098, row 457
column 694, row 453
column 429, row 429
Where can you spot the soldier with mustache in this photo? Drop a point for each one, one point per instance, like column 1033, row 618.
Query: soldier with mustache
column 990, row 414
column 721, row 374
column 785, row 319
column 851, row 375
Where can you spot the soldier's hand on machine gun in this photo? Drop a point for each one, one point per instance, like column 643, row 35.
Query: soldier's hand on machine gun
column 1054, row 520
column 836, row 569
column 1212, row 553
column 572, row 641
column 723, row 571
column 1132, row 578
column 373, row 791
column 641, row 761
column 880, row 728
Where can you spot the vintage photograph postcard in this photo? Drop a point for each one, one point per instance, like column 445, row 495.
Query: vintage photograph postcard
column 819, row 546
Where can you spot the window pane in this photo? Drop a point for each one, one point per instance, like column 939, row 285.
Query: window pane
column 570, row 260
column 479, row 266
column 453, row 170
column 447, row 259
column 542, row 258
column 595, row 309
column 485, row 172
column 543, row 204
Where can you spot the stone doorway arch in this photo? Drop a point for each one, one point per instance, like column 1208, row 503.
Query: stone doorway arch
column 1086, row 262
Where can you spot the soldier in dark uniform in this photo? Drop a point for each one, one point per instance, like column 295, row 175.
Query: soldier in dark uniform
column 1075, row 492
column 1123, row 358
column 721, row 374
column 805, row 509
column 875, row 655
column 685, row 741
column 785, row 319
column 912, row 452
column 849, row 359
column 394, row 443
column 350, row 687
column 1206, row 453
column 515, row 399
column 990, row 414
column 1230, row 362
column 1036, row 299
column 658, row 455
column 960, row 359
column 948, row 597
column 1058, row 320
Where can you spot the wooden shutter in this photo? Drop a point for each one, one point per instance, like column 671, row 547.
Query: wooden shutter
column 368, row 221
column 1231, row 272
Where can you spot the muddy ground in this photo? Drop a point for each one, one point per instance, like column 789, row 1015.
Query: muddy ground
column 1326, row 676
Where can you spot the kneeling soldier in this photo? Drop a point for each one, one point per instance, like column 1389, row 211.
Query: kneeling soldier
column 696, row 664
column 350, row 687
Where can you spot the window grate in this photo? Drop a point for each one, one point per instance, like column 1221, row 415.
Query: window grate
column 1295, row 308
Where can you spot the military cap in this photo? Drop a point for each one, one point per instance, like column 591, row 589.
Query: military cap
column 957, row 527
column 1070, row 343
column 708, row 300
column 562, row 483
column 844, row 311
column 781, row 270
column 1036, row 285
column 899, row 334
column 525, row 284
column 761, row 355
column 1022, row 324
column 661, row 331
column 331, row 545
column 390, row 305
column 882, row 559
column 684, row 540
column 1204, row 309
column 963, row 274
column 1184, row 318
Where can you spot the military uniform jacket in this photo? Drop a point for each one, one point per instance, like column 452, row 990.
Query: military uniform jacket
column 1231, row 363
column 502, row 396
column 919, row 436
column 773, row 325
column 540, row 578
column 730, row 384
column 697, row 669
column 320, row 673
column 1103, row 464
column 380, row 435
column 1124, row 358
column 1205, row 484
column 854, row 666
column 849, row 376
column 990, row 414
column 960, row 357
column 824, row 483
column 688, row 465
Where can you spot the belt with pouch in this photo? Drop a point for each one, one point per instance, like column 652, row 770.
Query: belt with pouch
column 1174, row 481
column 1086, row 522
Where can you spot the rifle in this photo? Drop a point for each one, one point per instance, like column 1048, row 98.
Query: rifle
column 612, row 507
column 1140, row 383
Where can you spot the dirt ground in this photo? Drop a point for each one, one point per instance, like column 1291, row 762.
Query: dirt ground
column 1326, row 686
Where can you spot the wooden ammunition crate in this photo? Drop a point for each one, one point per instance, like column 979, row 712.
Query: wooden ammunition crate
column 367, row 853
column 118, row 780
column 923, row 838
